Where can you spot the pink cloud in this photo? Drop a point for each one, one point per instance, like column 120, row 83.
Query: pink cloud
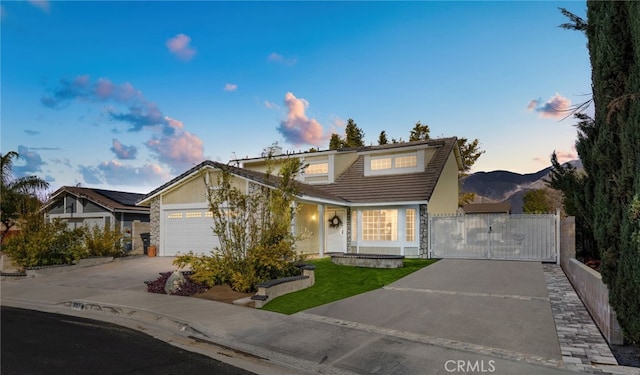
column 42, row 4
column 105, row 90
column 557, row 107
column 181, row 150
column 298, row 128
column 565, row 156
column 116, row 173
column 562, row 155
column 123, row 152
column 230, row 87
column 179, row 46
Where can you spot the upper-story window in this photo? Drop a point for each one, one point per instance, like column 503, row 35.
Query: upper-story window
column 317, row 168
column 380, row 163
column 389, row 164
column 405, row 161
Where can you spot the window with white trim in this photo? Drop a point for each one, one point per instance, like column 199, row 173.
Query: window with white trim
column 193, row 215
column 175, row 215
column 380, row 164
column 410, row 224
column 380, row 225
column 405, row 161
column 316, row 169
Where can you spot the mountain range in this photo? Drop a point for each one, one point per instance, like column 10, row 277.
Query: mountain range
column 505, row 186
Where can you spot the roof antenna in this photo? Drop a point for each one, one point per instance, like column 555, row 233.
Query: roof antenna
column 235, row 159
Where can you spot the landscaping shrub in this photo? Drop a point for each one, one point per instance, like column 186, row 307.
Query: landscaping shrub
column 103, row 241
column 254, row 230
column 189, row 288
column 44, row 244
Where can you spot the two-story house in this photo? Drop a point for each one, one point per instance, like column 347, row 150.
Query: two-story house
column 372, row 199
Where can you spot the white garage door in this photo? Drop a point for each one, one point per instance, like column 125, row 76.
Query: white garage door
column 188, row 230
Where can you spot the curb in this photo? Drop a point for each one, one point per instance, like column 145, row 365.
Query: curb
column 182, row 328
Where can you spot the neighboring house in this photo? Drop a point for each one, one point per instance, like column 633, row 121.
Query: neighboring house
column 80, row 206
column 371, row 199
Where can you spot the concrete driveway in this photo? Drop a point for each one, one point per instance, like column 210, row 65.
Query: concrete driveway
column 486, row 315
column 478, row 304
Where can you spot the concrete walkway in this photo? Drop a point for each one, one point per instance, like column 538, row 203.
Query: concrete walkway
column 453, row 316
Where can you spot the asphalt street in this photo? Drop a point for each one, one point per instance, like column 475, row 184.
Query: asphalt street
column 34, row 342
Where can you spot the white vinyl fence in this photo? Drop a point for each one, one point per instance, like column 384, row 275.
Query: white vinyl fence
column 494, row 236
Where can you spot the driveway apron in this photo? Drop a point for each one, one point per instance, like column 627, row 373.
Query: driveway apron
column 479, row 305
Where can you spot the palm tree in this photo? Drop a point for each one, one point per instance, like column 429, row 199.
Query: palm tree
column 17, row 195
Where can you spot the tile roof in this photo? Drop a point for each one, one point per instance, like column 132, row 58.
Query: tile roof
column 352, row 186
column 355, row 187
column 259, row 177
column 110, row 199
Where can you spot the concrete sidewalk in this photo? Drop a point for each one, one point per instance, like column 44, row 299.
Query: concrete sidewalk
column 451, row 317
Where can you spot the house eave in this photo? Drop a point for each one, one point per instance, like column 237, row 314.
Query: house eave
column 392, row 203
column 147, row 200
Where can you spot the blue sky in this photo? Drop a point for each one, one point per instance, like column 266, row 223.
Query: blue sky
column 126, row 95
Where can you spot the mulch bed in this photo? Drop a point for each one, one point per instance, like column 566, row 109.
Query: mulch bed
column 222, row 293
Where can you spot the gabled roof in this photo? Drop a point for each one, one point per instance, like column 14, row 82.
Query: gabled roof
column 255, row 176
column 355, row 187
column 352, row 186
column 363, row 149
column 114, row 201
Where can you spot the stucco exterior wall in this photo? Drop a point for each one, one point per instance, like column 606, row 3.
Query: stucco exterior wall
column 192, row 191
column 428, row 155
column 444, row 199
column 342, row 161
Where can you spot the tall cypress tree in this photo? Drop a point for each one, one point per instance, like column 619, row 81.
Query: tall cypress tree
column 611, row 154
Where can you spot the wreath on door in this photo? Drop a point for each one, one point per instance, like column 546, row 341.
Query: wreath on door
column 335, row 221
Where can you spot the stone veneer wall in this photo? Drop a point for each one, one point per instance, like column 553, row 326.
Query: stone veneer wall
column 154, row 218
column 424, row 231
column 588, row 284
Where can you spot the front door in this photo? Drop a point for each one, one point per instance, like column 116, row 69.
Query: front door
column 336, row 231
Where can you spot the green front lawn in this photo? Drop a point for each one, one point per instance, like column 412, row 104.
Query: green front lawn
column 335, row 282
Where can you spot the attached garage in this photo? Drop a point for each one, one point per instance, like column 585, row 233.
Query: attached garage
column 187, row 229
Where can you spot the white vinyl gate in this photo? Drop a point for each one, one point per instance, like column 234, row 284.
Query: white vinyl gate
column 494, row 236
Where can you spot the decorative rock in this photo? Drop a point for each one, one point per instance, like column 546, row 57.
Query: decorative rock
column 174, row 282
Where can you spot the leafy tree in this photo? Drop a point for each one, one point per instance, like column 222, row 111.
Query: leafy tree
column 18, row 196
column 254, row 230
column 354, row 137
column 419, row 132
column 469, row 152
column 335, row 142
column 575, row 202
column 536, row 202
column 382, row 139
